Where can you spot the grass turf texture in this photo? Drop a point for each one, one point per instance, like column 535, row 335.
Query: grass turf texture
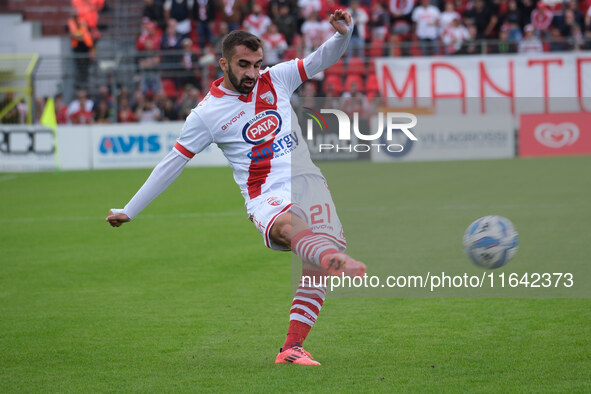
column 187, row 298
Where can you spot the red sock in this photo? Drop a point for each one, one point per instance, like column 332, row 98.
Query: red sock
column 296, row 333
column 305, row 308
column 312, row 247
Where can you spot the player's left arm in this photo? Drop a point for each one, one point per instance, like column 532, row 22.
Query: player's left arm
column 332, row 49
column 293, row 73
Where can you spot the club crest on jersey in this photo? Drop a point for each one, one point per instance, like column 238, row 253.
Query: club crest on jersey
column 262, row 127
column 274, row 201
column 268, row 98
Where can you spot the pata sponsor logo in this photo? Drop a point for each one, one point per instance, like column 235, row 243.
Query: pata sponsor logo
column 262, row 127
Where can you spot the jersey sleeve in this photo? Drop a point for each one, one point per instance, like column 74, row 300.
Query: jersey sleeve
column 195, row 136
column 295, row 72
column 289, row 74
column 161, row 177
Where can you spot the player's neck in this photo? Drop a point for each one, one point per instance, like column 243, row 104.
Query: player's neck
column 227, row 87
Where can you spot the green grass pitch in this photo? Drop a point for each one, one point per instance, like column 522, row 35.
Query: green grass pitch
column 187, row 298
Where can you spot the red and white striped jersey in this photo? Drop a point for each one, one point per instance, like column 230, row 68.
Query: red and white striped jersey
column 258, row 133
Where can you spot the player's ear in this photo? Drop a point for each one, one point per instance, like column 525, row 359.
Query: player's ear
column 223, row 64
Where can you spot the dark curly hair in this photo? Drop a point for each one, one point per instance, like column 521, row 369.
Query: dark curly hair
column 239, row 37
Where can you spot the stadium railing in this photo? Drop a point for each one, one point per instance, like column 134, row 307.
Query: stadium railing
column 120, row 70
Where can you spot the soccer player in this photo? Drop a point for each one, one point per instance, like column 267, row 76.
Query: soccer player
column 248, row 114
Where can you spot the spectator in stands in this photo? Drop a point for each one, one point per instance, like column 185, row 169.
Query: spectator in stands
column 541, row 19
column 204, row 14
column 314, row 32
column 448, row 16
column 504, row 44
column 568, row 24
column 512, row 19
column 171, row 44
column 191, row 97
column 149, row 31
column 275, row 6
column 402, row 9
column 401, row 30
column 147, row 111
column 379, row 22
column 571, row 31
column 80, row 110
column 232, row 12
column 61, row 109
column 426, row 19
column 274, row 43
column 12, row 116
column 286, row 22
column 256, row 22
column 88, row 10
column 573, row 6
column 588, row 20
column 484, row 17
column 154, row 11
column 181, row 11
column 309, row 7
column 149, row 66
column 169, row 111
column 189, row 65
column 101, row 112
column 216, row 41
column 454, row 36
column 577, row 38
column 357, row 42
column 472, row 45
column 103, row 94
column 530, row 43
column 512, row 15
column 125, row 114
column 82, row 45
column 557, row 42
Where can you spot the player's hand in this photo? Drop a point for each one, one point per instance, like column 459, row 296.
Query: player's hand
column 340, row 15
column 117, row 219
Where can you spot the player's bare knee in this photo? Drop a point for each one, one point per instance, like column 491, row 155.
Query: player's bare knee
column 281, row 233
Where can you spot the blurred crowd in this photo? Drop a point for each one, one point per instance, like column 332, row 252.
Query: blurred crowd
column 179, row 42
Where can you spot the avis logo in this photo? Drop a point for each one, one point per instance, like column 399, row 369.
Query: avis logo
column 131, row 143
column 557, row 135
column 262, row 127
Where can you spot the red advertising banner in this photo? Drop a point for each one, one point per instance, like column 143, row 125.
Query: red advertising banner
column 555, row 134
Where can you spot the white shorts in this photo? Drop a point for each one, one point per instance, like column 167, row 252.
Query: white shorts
column 308, row 197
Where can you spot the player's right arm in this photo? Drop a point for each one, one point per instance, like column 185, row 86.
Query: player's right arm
column 194, row 138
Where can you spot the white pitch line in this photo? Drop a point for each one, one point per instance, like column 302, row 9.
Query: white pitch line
column 7, row 177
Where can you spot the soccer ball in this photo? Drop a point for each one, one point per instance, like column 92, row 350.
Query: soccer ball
column 491, row 241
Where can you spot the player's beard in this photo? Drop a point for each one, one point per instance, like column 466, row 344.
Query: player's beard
column 239, row 86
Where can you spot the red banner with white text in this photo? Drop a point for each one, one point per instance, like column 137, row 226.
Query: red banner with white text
column 555, row 134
